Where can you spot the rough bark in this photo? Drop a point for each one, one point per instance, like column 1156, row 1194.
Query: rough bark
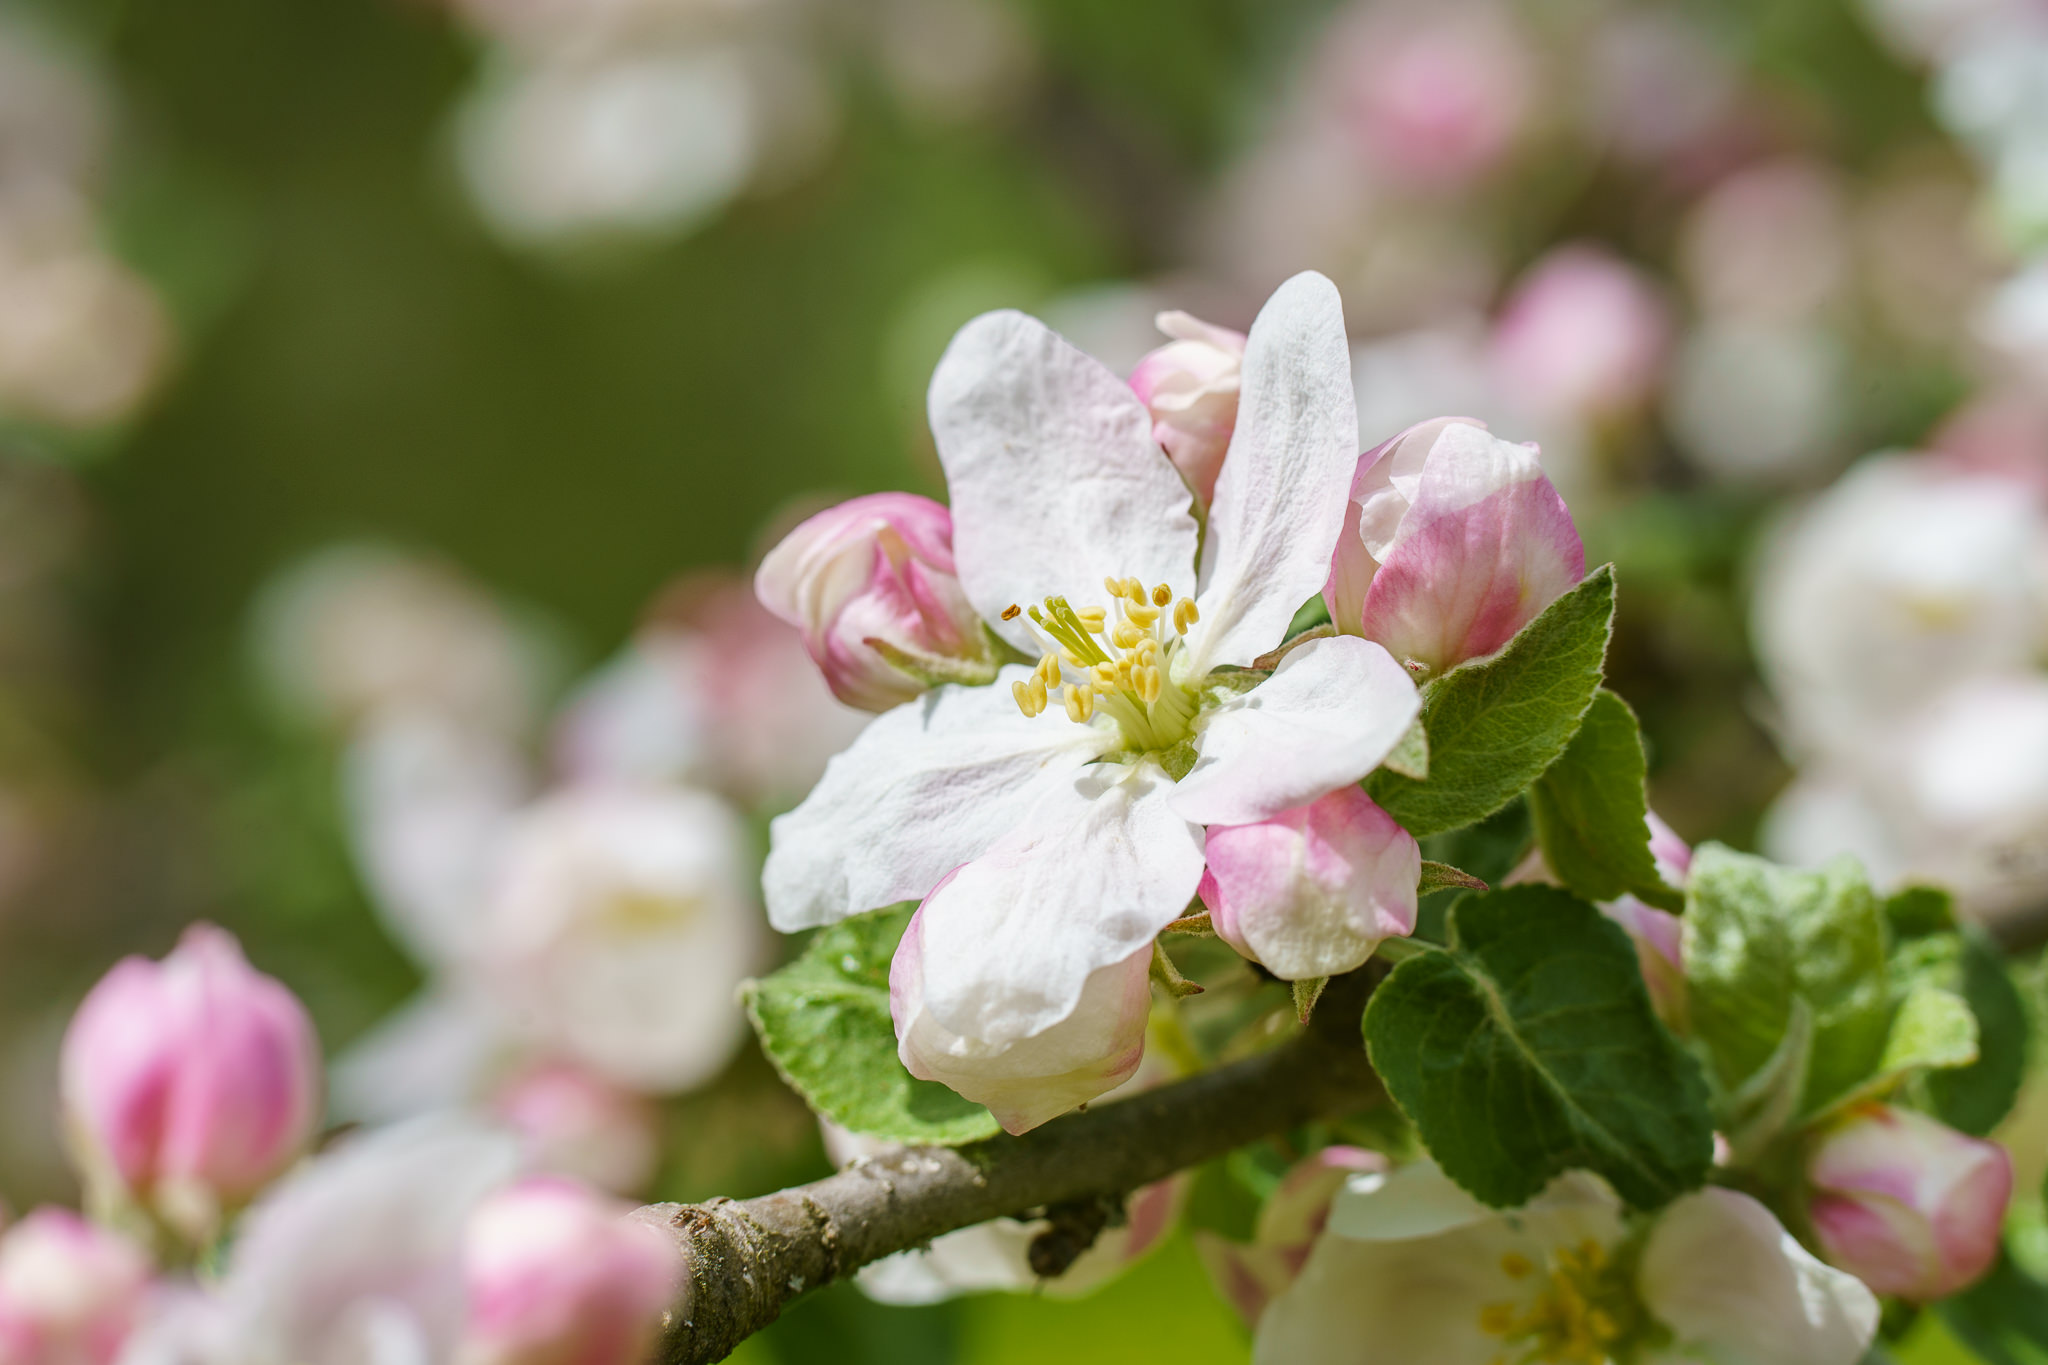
column 748, row 1259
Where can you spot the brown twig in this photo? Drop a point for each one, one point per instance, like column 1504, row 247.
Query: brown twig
column 747, row 1260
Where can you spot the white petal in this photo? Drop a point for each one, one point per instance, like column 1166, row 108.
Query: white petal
column 1412, row 1302
column 1102, row 865
column 427, row 801
column 1054, row 479
column 1286, row 481
column 926, row 787
column 1734, row 1286
column 431, row 1053
column 373, row 1226
column 1327, row 716
column 1416, row 1200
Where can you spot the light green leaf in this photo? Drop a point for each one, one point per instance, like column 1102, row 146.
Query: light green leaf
column 1495, row 724
column 1529, row 1048
column 1754, row 1116
column 1932, row 1028
column 1410, row 756
column 1759, row 936
column 824, row 1022
column 1591, row 811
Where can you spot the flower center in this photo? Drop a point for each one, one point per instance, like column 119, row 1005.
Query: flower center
column 1582, row 1310
column 1121, row 668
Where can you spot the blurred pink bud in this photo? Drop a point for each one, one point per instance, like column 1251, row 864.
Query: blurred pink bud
column 1909, row 1206
column 1249, row 1276
column 1440, row 99
column 870, row 584
column 1453, row 541
column 1024, row 1083
column 1312, row 891
column 190, row 1083
column 1584, row 334
column 70, row 1292
column 561, row 1275
column 1190, row 387
column 577, row 1123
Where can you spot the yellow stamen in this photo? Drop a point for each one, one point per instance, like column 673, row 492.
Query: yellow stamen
column 1080, row 704
column 1126, row 635
column 1161, row 595
column 1023, row 696
column 1140, row 614
column 1038, row 694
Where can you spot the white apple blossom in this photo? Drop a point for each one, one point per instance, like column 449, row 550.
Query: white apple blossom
column 356, row 1259
column 1413, row 1269
column 1077, row 836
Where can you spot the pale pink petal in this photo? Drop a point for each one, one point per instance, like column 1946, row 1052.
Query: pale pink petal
column 1280, row 498
column 1328, row 715
column 1054, row 478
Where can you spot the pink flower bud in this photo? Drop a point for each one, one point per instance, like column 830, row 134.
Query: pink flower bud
column 870, row 584
column 561, row 1275
column 1583, row 335
column 1909, row 1206
column 70, row 1292
column 1249, row 1276
column 1190, row 387
column 190, row 1083
column 1453, row 541
column 1440, row 95
column 1088, row 1053
column 1312, row 891
column 577, row 1123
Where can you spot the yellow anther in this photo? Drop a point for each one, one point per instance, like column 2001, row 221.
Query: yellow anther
column 1126, row 635
column 1517, row 1265
column 1071, row 659
column 1134, row 590
column 1023, row 696
column 1141, row 614
column 1105, row 674
column 1038, row 693
column 1161, row 595
column 1080, row 703
column 1183, row 616
column 1149, row 685
column 1049, row 669
column 1193, row 614
column 1113, row 586
column 1497, row 1319
column 1012, row 612
column 1095, row 618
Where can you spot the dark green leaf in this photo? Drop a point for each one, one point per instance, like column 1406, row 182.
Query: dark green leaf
column 1530, row 1048
column 2003, row 1317
column 824, row 1022
column 1591, row 811
column 1974, row 1098
column 1495, row 724
column 1915, row 911
column 1759, row 936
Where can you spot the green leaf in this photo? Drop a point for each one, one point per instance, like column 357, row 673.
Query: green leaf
column 1916, row 911
column 1975, row 1098
column 1442, row 876
column 2003, row 1317
column 1932, row 1028
column 1495, row 724
column 1410, row 755
column 1591, row 811
column 824, row 1022
column 1759, row 936
column 1530, row 1048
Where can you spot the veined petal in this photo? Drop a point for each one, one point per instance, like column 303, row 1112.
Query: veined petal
column 1281, row 497
column 1054, row 479
column 926, row 787
column 1737, row 1289
column 1100, row 867
column 1328, row 715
